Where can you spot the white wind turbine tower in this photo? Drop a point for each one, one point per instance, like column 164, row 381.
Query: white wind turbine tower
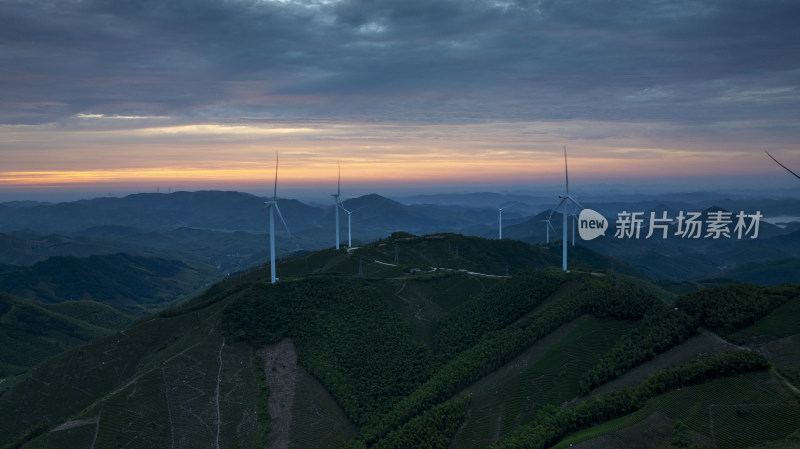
column 349, row 235
column 574, row 219
column 787, row 168
column 564, row 198
column 349, row 213
column 336, row 196
column 548, row 226
column 274, row 205
column 500, row 221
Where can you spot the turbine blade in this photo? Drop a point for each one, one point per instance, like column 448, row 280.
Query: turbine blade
column 275, row 191
column 787, row 168
column 566, row 170
column 278, row 209
column 552, row 211
column 339, row 185
column 575, row 202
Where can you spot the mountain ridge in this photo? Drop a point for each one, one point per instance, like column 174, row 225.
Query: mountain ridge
column 136, row 387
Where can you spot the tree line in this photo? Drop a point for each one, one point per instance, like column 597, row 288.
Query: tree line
column 551, row 423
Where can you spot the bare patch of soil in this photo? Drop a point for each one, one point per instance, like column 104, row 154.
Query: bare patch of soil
column 280, row 370
column 76, row 423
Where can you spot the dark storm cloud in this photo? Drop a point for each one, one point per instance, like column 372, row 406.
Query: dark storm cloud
column 410, row 60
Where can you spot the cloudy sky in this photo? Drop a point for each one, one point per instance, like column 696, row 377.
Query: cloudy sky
column 111, row 95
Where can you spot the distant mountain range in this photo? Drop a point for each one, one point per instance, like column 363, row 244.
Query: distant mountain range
column 227, row 230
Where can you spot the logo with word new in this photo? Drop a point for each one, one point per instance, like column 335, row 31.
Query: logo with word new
column 591, row 224
column 686, row 225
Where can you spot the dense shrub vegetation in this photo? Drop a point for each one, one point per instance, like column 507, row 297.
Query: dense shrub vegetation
column 346, row 337
column 493, row 309
column 656, row 333
column 433, row 429
column 30, row 434
column 498, row 348
column 388, row 384
column 723, row 309
column 732, row 307
column 552, row 423
column 120, row 279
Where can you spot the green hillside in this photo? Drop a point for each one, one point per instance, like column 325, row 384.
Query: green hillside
column 454, row 354
column 131, row 284
column 94, row 313
column 773, row 272
column 31, row 332
column 65, row 301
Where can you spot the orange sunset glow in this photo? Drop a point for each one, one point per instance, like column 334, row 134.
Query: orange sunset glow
column 643, row 95
column 371, row 156
column 361, row 172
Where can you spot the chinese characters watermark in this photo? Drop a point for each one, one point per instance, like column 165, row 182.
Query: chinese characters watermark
column 688, row 225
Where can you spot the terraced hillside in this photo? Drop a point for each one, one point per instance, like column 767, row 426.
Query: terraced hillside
column 441, row 349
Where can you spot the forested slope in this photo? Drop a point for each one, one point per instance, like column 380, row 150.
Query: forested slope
column 413, row 360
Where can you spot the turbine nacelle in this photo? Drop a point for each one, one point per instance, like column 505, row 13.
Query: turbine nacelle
column 564, row 199
column 274, row 203
column 349, row 212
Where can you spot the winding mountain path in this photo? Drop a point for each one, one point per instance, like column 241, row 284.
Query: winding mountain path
column 216, row 397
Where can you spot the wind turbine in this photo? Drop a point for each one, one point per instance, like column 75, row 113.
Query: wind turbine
column 336, row 196
column 349, row 213
column 564, row 198
column 548, row 227
column 500, row 221
column 270, row 205
column 787, row 168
